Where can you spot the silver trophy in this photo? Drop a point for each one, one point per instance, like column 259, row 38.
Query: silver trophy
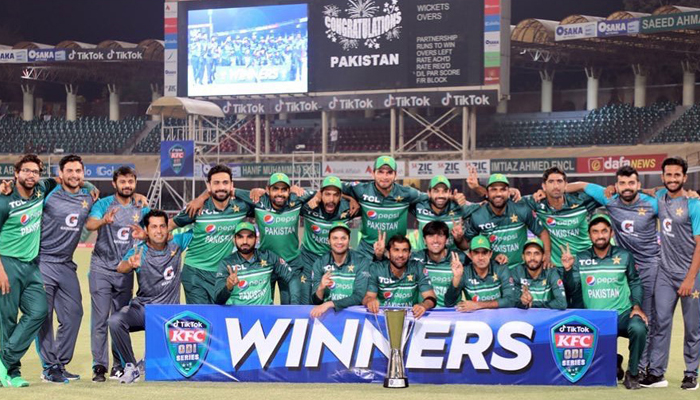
column 395, row 374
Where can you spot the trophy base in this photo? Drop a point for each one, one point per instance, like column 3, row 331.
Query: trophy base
column 396, row 383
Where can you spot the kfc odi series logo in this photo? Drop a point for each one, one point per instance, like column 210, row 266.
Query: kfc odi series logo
column 188, row 337
column 573, row 342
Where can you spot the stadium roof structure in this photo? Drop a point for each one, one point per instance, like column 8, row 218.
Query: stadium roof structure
column 533, row 44
column 181, row 107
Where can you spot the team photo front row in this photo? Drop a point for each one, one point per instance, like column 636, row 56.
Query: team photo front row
column 553, row 249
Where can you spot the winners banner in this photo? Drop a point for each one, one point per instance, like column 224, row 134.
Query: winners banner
column 283, row 344
column 177, row 158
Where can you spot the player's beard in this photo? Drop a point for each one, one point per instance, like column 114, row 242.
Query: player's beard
column 280, row 200
column 628, row 195
column 534, row 265
column 498, row 203
column 27, row 184
column 601, row 244
column 245, row 250
column 125, row 192
column 676, row 189
column 439, row 202
column 330, row 207
column 72, row 184
column 397, row 262
column 221, row 195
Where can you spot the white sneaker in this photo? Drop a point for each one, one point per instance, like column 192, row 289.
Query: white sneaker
column 131, row 374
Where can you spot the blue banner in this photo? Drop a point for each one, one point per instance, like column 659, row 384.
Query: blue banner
column 177, row 158
column 283, row 344
column 96, row 171
column 618, row 27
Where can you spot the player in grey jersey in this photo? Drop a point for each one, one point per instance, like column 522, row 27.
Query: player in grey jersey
column 157, row 265
column 112, row 217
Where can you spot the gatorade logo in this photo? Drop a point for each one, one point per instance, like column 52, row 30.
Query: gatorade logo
column 372, row 214
column 388, row 295
column 590, row 280
column 667, row 224
column 551, row 221
column 268, row 219
column 242, row 284
column 628, row 226
column 72, row 220
column 169, row 273
column 210, row 229
column 123, row 234
column 316, row 229
column 24, row 219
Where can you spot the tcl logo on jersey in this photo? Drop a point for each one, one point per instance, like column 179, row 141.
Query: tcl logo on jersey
column 72, row 220
column 371, row 199
column 588, row 262
column 16, row 203
column 488, row 225
column 385, row 280
column 425, row 211
column 123, row 233
column 628, row 226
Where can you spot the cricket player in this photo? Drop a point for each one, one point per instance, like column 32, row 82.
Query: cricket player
column 113, row 218
column 156, row 262
column 535, row 286
column 339, row 277
column 606, row 279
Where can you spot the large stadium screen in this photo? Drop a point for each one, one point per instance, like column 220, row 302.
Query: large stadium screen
column 247, row 50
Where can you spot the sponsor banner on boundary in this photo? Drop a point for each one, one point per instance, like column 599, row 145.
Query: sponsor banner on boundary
column 177, row 158
column 121, row 55
column 13, row 56
column 300, row 104
column 170, row 52
column 516, row 166
column 357, row 169
column 451, row 169
column 670, row 22
column 263, row 171
column 283, row 344
column 610, row 164
column 575, row 31
column 46, row 55
column 96, row 171
column 618, row 28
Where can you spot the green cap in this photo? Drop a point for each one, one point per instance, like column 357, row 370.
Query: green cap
column 440, row 179
column 480, row 242
column 339, row 225
column 385, row 160
column 333, row 181
column 279, row 177
column 536, row 241
column 497, row 178
column 599, row 217
column 244, row 226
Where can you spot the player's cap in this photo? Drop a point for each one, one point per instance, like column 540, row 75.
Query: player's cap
column 534, row 241
column 440, row 179
column 279, row 177
column 497, row 178
column 339, row 225
column 597, row 217
column 385, row 160
column 480, row 242
column 244, row 226
column 332, row 181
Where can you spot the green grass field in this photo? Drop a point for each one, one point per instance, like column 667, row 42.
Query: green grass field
column 85, row 389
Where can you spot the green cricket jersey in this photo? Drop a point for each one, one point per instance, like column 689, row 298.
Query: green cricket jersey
column 387, row 214
column 20, row 222
column 212, row 232
column 547, row 289
column 569, row 225
column 317, row 223
column 425, row 214
column 254, row 277
column 279, row 229
column 507, row 232
column 349, row 279
column 440, row 272
column 608, row 283
column 398, row 292
column 497, row 285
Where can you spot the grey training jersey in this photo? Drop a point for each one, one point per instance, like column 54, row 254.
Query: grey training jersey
column 634, row 224
column 62, row 224
column 680, row 223
column 159, row 273
column 114, row 240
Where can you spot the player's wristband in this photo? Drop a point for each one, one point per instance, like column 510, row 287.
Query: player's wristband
column 431, row 298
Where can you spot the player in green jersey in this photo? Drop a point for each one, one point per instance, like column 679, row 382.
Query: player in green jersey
column 505, row 224
column 339, row 277
column 535, row 286
column 485, row 283
column 443, row 204
column 437, row 259
column 21, row 284
column 245, row 277
column 605, row 278
column 384, row 204
column 212, row 230
column 399, row 281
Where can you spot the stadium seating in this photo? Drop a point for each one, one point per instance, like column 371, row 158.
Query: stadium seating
column 684, row 129
column 85, row 135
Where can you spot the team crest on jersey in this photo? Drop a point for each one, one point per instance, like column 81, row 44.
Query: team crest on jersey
column 188, row 337
column 573, row 343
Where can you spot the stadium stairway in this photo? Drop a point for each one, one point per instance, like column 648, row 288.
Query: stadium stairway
column 150, row 126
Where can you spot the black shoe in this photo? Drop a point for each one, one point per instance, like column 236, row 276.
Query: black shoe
column 631, row 382
column 68, row 375
column 117, row 372
column 98, row 373
column 642, row 375
column 53, row 374
column 689, row 382
column 620, row 371
column 653, row 381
